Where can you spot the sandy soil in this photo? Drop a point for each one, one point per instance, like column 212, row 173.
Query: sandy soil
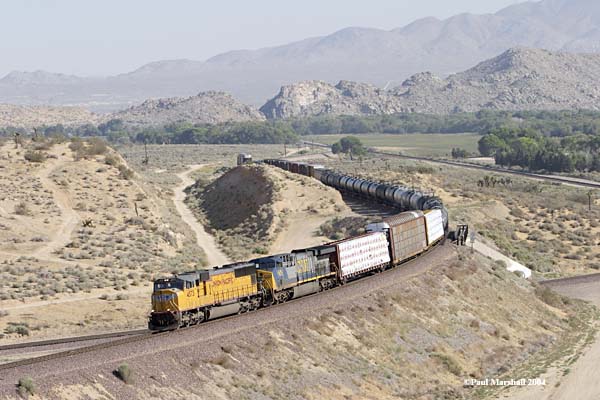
column 308, row 204
column 214, row 255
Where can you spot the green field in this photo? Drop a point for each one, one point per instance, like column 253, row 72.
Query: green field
column 417, row 144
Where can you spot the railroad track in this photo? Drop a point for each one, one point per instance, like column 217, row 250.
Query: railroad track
column 79, row 350
column 557, row 179
column 75, row 339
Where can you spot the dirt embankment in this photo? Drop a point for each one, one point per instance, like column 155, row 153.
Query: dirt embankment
column 256, row 210
column 415, row 332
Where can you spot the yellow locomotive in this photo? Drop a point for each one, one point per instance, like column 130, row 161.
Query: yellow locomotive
column 193, row 297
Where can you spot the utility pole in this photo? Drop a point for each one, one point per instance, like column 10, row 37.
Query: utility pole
column 284, row 149
column 145, row 160
column 590, row 194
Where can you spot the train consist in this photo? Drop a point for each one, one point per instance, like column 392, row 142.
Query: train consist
column 400, row 197
column 194, row 297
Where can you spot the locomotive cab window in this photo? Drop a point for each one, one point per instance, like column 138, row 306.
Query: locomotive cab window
column 169, row 284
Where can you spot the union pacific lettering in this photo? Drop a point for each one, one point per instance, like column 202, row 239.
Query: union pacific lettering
column 223, row 280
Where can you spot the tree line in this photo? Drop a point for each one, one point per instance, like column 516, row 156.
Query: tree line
column 530, row 149
column 559, row 141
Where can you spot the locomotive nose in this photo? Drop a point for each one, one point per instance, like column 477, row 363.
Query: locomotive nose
column 165, row 300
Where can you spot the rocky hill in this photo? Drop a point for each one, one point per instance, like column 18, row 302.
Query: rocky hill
column 518, row 79
column 207, row 107
column 376, row 56
column 320, row 98
column 29, row 117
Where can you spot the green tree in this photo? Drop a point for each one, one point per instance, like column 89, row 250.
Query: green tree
column 349, row 145
column 490, row 144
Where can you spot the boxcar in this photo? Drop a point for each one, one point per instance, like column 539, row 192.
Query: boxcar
column 358, row 255
column 434, row 224
column 406, row 233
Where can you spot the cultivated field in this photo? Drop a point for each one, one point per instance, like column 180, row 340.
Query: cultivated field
column 419, row 144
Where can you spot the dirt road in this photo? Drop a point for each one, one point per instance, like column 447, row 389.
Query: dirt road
column 70, row 219
column 214, row 256
column 582, row 382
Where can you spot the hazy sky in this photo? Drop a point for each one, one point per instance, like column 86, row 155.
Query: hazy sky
column 100, row 37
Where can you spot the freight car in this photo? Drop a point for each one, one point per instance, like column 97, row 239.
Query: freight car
column 357, row 256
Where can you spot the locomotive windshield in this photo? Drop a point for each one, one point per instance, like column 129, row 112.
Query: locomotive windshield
column 169, row 284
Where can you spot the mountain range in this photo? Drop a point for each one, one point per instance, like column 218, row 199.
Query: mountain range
column 518, row 79
column 382, row 58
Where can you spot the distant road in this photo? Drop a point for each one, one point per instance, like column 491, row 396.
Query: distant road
column 551, row 178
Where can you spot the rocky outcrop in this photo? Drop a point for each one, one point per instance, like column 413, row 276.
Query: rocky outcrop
column 205, row 108
column 312, row 98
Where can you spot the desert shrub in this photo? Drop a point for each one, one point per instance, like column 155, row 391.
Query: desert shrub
column 125, row 173
column 111, row 160
column 26, row 387
column 20, row 329
column 124, row 373
column 76, row 145
column 35, row 156
column 22, row 209
column 96, row 146
column 224, row 361
column 548, row 296
column 260, row 250
column 449, row 363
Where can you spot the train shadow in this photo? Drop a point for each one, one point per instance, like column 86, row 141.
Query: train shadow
column 368, row 208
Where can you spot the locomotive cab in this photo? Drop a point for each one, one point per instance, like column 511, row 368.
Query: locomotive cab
column 165, row 304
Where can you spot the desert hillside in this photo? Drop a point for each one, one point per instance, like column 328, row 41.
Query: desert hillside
column 76, row 224
column 263, row 210
column 205, row 108
column 30, row 117
column 415, row 332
